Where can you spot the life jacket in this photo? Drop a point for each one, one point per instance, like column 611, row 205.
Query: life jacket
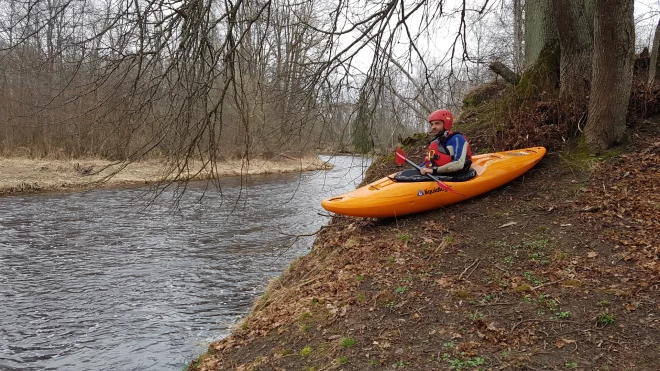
column 438, row 154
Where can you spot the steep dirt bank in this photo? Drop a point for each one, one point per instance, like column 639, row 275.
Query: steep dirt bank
column 558, row 270
column 21, row 175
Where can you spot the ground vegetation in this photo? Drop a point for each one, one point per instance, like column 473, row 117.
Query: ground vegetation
column 556, row 270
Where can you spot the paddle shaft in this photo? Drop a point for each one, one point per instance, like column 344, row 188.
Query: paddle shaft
column 440, row 183
column 420, row 169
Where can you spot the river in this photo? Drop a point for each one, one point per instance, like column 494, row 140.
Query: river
column 106, row 280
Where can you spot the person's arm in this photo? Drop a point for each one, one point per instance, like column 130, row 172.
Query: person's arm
column 459, row 146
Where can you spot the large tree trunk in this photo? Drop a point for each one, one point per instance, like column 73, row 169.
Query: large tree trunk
column 653, row 64
column 518, row 35
column 540, row 29
column 575, row 28
column 611, row 79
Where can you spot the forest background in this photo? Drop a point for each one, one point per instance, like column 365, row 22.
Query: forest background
column 216, row 80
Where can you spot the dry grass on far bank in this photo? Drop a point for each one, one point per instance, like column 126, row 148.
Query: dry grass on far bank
column 24, row 175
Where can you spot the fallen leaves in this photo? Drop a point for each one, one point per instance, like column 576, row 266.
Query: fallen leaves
column 624, row 195
column 560, row 342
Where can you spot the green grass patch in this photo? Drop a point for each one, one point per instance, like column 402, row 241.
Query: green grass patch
column 403, row 237
column 563, row 315
column 488, row 298
column 463, row 363
column 476, row 316
column 401, row 289
column 606, row 319
column 347, row 342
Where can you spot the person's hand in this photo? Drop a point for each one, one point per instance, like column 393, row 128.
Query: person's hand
column 426, row 170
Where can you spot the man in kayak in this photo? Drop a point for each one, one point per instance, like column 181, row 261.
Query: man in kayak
column 449, row 152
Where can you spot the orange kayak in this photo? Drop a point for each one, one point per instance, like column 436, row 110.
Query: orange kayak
column 396, row 195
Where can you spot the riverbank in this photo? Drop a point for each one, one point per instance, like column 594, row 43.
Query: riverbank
column 559, row 269
column 24, row 175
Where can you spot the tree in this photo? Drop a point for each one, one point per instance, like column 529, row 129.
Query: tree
column 540, row 29
column 614, row 40
column 518, row 35
column 575, row 30
column 204, row 79
column 653, row 64
column 605, row 76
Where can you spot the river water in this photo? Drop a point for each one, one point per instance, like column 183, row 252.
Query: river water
column 101, row 280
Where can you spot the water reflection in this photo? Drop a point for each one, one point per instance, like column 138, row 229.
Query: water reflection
column 96, row 281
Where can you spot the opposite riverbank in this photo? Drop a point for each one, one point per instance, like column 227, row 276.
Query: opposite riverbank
column 25, row 175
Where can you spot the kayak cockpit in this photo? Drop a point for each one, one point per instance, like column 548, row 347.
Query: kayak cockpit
column 413, row 175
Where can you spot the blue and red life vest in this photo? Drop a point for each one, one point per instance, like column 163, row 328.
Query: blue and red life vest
column 438, row 155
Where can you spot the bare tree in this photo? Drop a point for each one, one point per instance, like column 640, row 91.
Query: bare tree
column 612, row 73
column 575, row 28
column 204, row 79
column 540, row 29
column 518, row 26
column 653, row 64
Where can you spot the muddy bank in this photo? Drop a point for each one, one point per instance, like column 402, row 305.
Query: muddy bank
column 23, row 175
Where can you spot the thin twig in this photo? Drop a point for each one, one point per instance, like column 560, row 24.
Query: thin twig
column 540, row 320
column 466, row 269
column 472, row 271
column 546, row 284
column 496, row 304
column 500, row 268
column 298, row 236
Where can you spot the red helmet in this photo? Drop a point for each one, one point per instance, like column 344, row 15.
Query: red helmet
column 443, row 115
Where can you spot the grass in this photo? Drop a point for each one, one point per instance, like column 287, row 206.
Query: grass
column 347, row 342
column 61, row 174
column 533, row 250
column 531, row 279
column 403, row 237
column 305, row 351
column 463, row 363
column 476, row 316
column 488, row 298
column 563, row 315
column 401, row 289
column 401, row 364
column 606, row 319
